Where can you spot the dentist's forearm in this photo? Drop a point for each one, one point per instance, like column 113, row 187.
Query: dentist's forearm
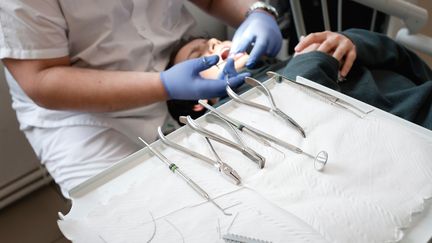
column 71, row 88
column 99, row 91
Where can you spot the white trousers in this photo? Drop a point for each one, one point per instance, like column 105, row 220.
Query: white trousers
column 75, row 153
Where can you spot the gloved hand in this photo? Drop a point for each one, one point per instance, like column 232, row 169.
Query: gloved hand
column 262, row 30
column 229, row 71
column 184, row 82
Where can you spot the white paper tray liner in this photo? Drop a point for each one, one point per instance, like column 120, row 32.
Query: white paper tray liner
column 379, row 173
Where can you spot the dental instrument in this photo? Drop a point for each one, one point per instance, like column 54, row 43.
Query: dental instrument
column 222, row 167
column 320, row 160
column 273, row 109
column 248, row 152
column 231, row 128
column 239, row 138
column 175, row 169
column 234, row 238
column 218, row 159
column 331, row 98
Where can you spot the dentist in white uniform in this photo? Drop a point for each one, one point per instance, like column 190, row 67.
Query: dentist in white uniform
column 87, row 77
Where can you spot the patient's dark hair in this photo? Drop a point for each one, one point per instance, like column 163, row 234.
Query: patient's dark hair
column 179, row 45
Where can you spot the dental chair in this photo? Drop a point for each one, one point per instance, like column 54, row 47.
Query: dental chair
column 403, row 20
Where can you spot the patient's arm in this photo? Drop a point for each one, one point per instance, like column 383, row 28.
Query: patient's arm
column 376, row 50
column 315, row 65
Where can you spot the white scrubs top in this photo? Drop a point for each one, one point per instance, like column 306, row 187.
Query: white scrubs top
column 128, row 35
column 133, row 35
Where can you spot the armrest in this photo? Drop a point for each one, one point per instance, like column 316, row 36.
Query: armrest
column 417, row 42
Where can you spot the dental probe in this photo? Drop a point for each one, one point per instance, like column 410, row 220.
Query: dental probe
column 175, row 169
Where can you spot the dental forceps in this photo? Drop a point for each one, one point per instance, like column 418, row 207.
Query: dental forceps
column 248, row 152
column 256, row 137
column 230, row 126
column 222, row 167
column 175, row 169
column 273, row 109
column 320, row 160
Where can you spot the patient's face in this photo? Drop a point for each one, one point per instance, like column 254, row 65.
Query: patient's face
column 203, row 47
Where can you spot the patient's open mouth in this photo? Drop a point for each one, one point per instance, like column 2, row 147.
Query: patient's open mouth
column 224, row 53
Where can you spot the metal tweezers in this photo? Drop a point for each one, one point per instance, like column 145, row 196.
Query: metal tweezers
column 222, row 167
column 273, row 109
column 243, row 148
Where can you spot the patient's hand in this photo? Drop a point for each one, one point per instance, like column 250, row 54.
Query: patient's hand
column 309, row 48
column 332, row 43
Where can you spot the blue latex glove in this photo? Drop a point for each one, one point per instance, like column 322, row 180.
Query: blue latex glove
column 184, row 82
column 262, row 30
column 229, row 72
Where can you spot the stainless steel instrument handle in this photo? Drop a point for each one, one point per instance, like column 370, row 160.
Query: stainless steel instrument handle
column 175, row 169
column 254, row 156
column 245, row 150
column 220, row 114
column 213, row 150
column 241, row 126
column 237, row 98
column 255, row 83
column 194, row 186
column 275, row 140
column 287, row 118
column 185, row 150
column 157, row 153
column 188, row 120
